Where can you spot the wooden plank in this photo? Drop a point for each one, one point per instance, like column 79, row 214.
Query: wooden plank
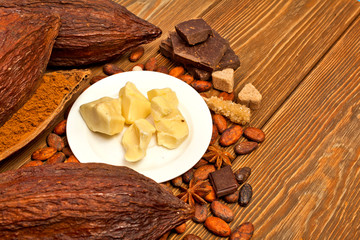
column 279, row 42
column 306, row 175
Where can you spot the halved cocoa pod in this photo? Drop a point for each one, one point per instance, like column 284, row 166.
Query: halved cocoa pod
column 26, row 40
column 76, row 201
column 91, row 31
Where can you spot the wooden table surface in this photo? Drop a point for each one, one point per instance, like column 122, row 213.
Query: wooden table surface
column 304, row 57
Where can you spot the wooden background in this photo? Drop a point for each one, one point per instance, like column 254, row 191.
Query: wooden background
column 303, row 56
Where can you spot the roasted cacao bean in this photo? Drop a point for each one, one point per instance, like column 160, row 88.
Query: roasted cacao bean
column 242, row 174
column 245, row 195
column 254, row 134
column 245, row 147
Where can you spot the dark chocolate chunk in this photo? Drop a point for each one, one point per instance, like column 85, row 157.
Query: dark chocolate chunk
column 204, row 55
column 166, row 48
column 223, row 181
column 229, row 60
column 194, row 31
column 198, row 73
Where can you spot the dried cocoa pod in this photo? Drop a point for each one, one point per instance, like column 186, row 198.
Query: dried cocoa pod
column 242, row 174
column 202, row 173
column 58, row 157
column 92, row 200
column 60, row 128
column 151, row 64
column 92, row 31
column 201, row 85
column 244, row 232
column 43, row 153
column 254, row 134
column 136, row 54
column 177, row 71
column 55, row 141
column 220, row 122
column 245, row 147
column 217, row 226
column 26, row 42
column 191, row 237
column 201, row 212
column 111, row 69
column 245, row 195
column 231, row 135
column 222, row 211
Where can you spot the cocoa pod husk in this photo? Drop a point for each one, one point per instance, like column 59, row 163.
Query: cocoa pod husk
column 26, row 43
column 78, row 196
column 92, row 31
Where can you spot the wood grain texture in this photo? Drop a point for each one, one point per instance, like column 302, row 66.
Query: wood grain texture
column 306, row 175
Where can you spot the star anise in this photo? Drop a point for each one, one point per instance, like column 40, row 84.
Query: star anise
column 218, row 155
column 194, row 192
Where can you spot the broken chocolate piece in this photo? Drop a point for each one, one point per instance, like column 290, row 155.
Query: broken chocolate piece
column 166, row 48
column 194, row 31
column 229, row 60
column 204, row 56
column 198, row 73
column 223, row 181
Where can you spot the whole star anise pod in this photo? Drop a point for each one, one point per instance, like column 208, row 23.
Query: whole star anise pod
column 194, row 192
column 218, row 155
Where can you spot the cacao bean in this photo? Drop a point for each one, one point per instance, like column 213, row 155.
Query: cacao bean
column 72, row 159
column 215, row 135
column 245, row 147
column 177, row 71
column 222, row 211
column 201, row 85
column 32, row 164
column 60, row 128
column 227, row 96
column 163, row 69
column 177, row 182
column 151, row 64
column 220, row 122
column 244, row 232
column 201, row 212
column 67, row 151
column 232, row 198
column 211, row 196
column 136, row 54
column 43, row 153
column 191, row 237
column 217, row 226
column 187, row 78
column 245, row 195
column 111, row 69
column 181, row 228
column 254, row 134
column 58, row 157
column 242, row 174
column 188, row 175
column 202, row 173
column 55, row 141
column 231, row 135
column 200, row 163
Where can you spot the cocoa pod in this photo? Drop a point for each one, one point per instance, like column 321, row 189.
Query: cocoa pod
column 202, row 173
column 55, row 141
column 231, row 135
column 187, row 78
column 227, row 96
column 254, row 134
column 163, row 69
column 222, row 211
column 166, row 187
column 180, row 228
column 242, row 174
column 111, row 69
column 58, row 157
column 191, row 237
column 43, row 153
column 72, row 159
column 220, row 122
column 201, row 212
column 217, row 226
column 244, row 232
column 79, row 196
column 26, row 43
column 245, row 147
column 177, row 71
column 201, row 85
column 151, row 64
column 245, row 195
column 136, row 54
column 91, row 31
column 60, row 128
column 215, row 135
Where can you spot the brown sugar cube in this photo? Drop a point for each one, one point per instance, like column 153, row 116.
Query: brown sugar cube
column 223, row 80
column 250, row 96
column 194, row 31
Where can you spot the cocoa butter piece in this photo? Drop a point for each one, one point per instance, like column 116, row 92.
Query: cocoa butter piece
column 193, row 31
column 223, row 181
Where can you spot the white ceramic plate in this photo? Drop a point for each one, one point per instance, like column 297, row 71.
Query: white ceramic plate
column 160, row 164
